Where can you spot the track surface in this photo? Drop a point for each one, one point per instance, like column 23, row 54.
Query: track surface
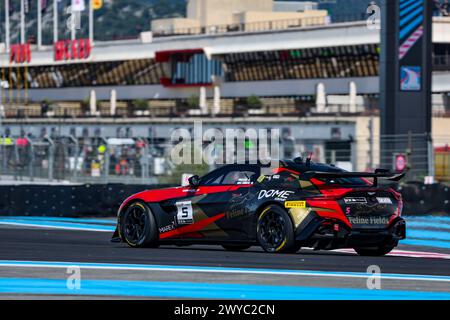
column 37, row 254
column 79, row 246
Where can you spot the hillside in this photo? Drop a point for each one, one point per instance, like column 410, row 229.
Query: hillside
column 347, row 8
column 116, row 20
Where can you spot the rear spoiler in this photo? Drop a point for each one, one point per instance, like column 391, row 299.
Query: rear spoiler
column 379, row 173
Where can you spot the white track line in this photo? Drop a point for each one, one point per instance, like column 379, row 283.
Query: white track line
column 308, row 273
column 52, row 227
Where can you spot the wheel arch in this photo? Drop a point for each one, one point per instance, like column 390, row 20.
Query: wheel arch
column 264, row 205
column 125, row 205
column 288, row 244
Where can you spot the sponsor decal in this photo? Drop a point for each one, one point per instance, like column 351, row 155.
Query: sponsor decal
column 369, row 220
column 238, row 206
column 411, row 78
column 279, row 195
column 400, row 161
column 235, row 213
column 184, row 212
column 295, row 204
column 72, row 50
column 20, row 53
column 243, row 181
column 384, row 200
column 170, row 227
column 261, row 178
column 355, row 200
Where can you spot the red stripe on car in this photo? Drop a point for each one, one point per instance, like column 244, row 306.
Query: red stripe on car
column 198, row 226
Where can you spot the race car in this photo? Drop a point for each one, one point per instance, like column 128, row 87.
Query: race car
column 298, row 204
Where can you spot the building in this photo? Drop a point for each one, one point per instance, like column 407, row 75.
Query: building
column 318, row 83
column 213, row 15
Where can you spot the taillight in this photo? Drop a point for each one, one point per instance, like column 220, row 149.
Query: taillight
column 400, row 207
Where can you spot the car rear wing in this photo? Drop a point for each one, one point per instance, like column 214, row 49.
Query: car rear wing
column 379, row 173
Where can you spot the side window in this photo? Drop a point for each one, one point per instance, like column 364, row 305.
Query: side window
column 231, row 176
column 240, row 177
column 213, row 178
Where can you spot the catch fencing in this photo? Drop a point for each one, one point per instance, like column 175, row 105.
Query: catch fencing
column 89, row 160
column 142, row 160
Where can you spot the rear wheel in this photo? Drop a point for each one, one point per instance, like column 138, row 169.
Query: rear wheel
column 275, row 231
column 230, row 247
column 374, row 252
column 139, row 226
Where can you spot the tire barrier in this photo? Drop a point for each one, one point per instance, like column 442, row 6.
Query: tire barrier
column 66, row 200
column 105, row 199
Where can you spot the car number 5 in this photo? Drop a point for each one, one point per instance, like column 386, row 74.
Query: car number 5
column 184, row 212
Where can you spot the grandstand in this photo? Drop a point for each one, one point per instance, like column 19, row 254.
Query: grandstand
column 265, row 63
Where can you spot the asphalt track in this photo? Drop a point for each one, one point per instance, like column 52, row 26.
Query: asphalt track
column 35, row 256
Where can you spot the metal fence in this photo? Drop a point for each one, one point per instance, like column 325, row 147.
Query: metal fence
column 411, row 152
column 70, row 159
column 65, row 159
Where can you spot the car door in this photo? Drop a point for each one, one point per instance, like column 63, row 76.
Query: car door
column 227, row 195
column 205, row 210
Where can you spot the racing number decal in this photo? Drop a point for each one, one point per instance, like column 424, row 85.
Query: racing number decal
column 184, row 212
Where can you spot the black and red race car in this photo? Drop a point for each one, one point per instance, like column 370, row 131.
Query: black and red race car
column 299, row 204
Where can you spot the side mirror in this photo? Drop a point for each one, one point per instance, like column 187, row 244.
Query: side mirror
column 194, row 181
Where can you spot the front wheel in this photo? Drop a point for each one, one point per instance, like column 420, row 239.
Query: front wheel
column 275, row 231
column 374, row 252
column 138, row 226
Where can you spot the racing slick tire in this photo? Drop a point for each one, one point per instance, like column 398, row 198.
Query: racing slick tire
column 275, row 231
column 230, row 247
column 138, row 226
column 374, row 252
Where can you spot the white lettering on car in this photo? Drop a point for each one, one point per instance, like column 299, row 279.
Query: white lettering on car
column 280, row 195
